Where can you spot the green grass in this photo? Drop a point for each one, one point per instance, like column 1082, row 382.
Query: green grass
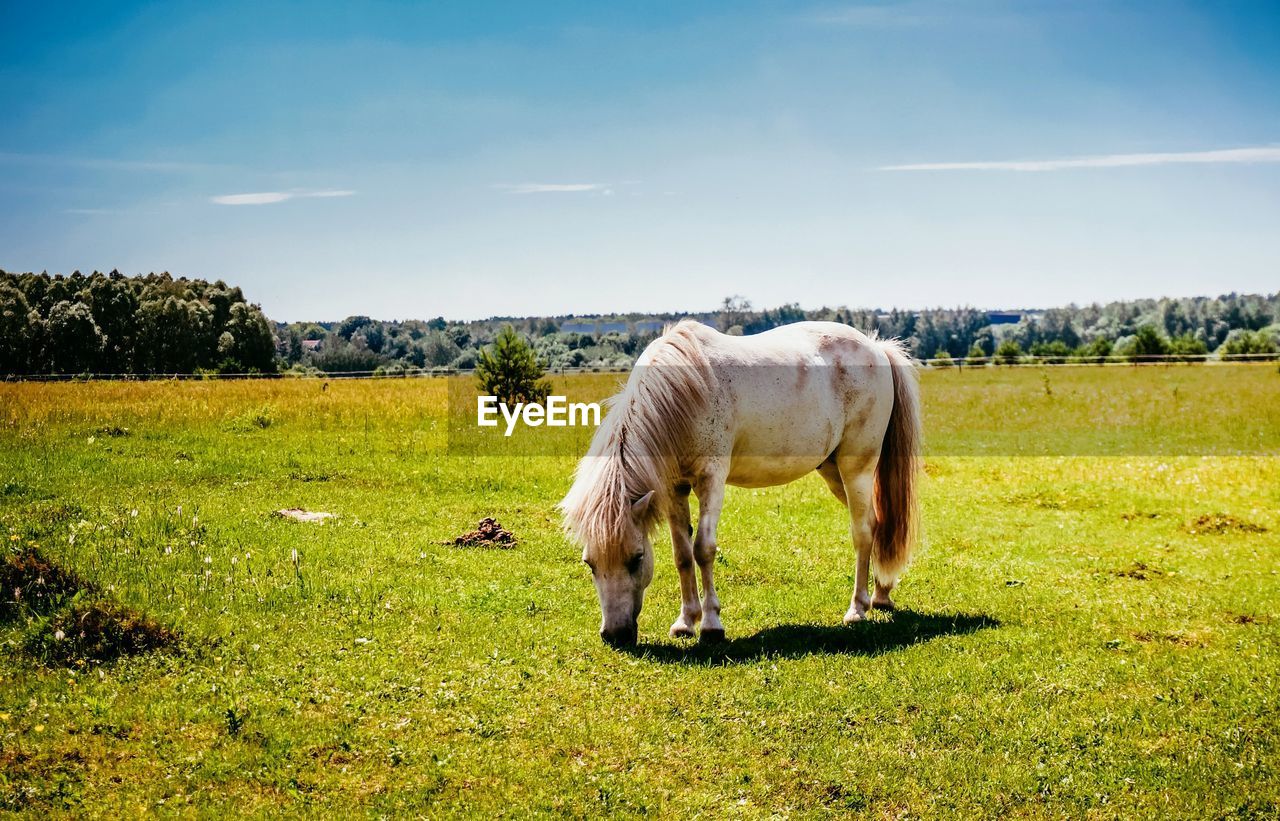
column 1075, row 639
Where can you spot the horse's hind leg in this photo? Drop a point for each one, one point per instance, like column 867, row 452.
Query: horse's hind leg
column 859, row 489
column 682, row 542
column 710, row 498
column 831, row 473
column 881, row 600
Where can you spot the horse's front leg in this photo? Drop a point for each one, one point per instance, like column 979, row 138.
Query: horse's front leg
column 710, row 499
column 682, row 542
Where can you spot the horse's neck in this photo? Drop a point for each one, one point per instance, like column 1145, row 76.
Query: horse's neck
column 646, row 467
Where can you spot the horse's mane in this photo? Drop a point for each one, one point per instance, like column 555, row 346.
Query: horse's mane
column 635, row 449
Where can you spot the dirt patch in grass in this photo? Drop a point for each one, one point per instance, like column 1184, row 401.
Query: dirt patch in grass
column 69, row 620
column 1181, row 640
column 313, row 476
column 1051, row 499
column 46, row 517
column 98, row 631
column 487, row 534
column 31, row 581
column 1218, row 524
column 1139, row 571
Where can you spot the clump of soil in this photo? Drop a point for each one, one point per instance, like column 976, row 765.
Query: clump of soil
column 487, row 534
column 1217, row 524
column 30, row 580
column 98, row 631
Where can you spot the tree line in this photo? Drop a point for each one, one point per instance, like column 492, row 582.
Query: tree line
column 1232, row 325
column 155, row 324
column 112, row 323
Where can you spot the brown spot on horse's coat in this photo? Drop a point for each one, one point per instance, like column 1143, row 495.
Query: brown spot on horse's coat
column 802, row 377
column 859, row 410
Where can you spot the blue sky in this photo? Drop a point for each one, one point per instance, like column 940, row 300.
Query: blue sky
column 409, row 160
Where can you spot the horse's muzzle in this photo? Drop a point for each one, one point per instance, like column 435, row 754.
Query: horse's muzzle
column 621, row 636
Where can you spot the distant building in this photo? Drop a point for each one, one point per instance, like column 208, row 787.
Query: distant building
column 311, row 344
column 599, row 327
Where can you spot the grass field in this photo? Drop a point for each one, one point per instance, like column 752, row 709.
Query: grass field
column 1090, row 630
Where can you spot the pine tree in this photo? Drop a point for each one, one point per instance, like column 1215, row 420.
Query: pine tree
column 509, row 370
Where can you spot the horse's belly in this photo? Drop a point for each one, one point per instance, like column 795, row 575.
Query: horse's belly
column 782, row 447
column 748, row 470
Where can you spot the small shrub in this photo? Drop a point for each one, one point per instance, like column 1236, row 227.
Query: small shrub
column 1188, row 348
column 1243, row 344
column 1097, row 351
column 1008, row 352
column 1148, row 345
column 259, row 418
column 1053, row 353
column 235, row 721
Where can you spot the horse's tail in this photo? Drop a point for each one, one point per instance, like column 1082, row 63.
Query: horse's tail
column 897, row 505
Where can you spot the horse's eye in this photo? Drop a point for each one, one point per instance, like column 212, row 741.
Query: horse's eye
column 590, row 565
column 633, row 564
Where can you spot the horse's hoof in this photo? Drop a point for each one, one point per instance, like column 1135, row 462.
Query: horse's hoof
column 681, row 632
column 710, row 634
column 853, row 617
column 886, row 605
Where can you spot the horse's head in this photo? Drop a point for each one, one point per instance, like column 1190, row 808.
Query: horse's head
column 621, row 572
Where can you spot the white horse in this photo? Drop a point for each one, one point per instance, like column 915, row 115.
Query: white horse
column 702, row 409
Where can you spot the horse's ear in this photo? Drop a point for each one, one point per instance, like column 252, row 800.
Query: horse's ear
column 641, row 505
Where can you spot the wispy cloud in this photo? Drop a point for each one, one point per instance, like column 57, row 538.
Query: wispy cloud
column 1262, row 154
column 269, row 197
column 554, row 187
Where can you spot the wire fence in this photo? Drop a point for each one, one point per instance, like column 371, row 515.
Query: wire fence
column 939, row 363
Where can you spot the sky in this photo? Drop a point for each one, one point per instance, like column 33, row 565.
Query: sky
column 408, row 160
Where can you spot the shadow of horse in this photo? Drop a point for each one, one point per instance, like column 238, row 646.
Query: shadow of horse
column 790, row 641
